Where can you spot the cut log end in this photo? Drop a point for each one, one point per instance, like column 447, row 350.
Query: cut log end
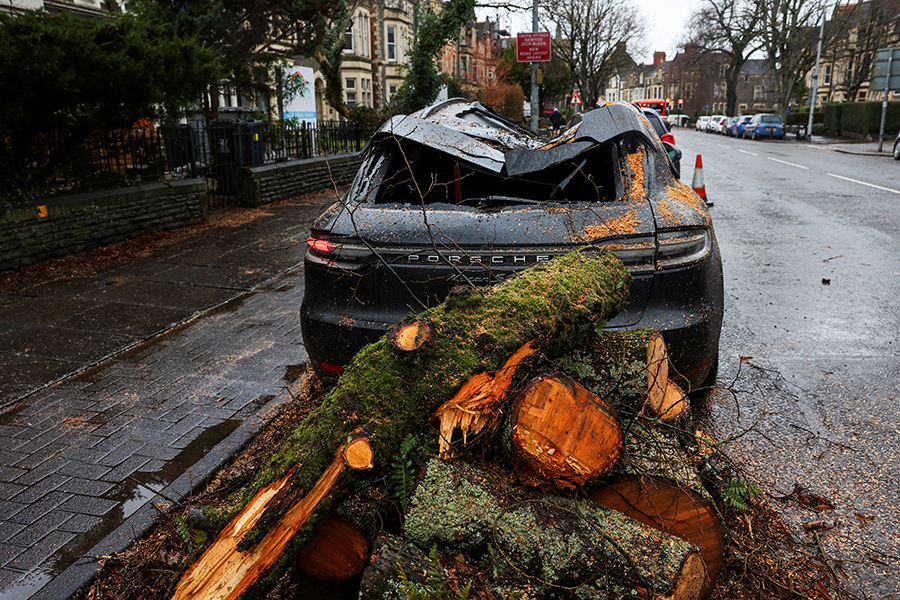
column 411, row 337
column 675, row 403
column 564, row 434
column 666, row 506
column 339, row 551
column 657, row 373
column 358, row 454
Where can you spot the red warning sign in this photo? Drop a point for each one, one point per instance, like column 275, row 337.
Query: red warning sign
column 533, row 47
column 576, row 99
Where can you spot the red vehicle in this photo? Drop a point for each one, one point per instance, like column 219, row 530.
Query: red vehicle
column 658, row 104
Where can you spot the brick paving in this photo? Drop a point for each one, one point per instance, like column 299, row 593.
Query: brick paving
column 140, row 410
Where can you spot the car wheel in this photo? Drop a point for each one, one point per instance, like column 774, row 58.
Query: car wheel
column 753, row 136
column 897, row 149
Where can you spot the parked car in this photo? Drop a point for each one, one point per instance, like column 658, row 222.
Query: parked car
column 701, row 123
column 897, row 147
column 726, row 128
column 764, row 125
column 677, row 120
column 737, row 128
column 714, row 123
column 496, row 199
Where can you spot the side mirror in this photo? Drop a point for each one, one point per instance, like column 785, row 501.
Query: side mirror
column 674, row 154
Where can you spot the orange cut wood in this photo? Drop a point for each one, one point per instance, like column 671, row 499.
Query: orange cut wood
column 475, row 404
column 411, row 336
column 564, row 434
column 663, row 504
column 675, row 403
column 224, row 573
column 358, row 454
column 339, row 551
column 657, row 373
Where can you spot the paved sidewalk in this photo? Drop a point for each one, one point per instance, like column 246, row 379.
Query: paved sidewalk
column 126, row 387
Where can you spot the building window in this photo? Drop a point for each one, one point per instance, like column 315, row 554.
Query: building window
column 392, row 43
column 862, row 95
column 826, row 75
column 348, row 39
column 490, row 73
column 392, row 89
column 758, row 93
column 350, row 87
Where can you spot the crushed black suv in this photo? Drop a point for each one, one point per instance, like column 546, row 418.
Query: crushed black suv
column 456, row 194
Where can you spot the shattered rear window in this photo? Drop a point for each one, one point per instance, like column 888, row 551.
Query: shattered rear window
column 405, row 172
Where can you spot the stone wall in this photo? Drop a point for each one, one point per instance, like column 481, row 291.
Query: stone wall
column 269, row 183
column 75, row 224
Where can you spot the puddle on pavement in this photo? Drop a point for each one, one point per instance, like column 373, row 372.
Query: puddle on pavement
column 132, row 494
column 27, row 585
column 295, row 372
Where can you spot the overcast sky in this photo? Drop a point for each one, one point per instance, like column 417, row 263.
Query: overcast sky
column 666, row 20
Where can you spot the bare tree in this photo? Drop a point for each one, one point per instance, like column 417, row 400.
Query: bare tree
column 589, row 32
column 729, row 28
column 789, row 33
column 873, row 21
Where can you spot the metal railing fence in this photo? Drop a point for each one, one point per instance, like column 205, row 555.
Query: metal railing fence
column 61, row 163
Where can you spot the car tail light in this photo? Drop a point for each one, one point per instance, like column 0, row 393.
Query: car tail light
column 337, row 250
column 680, row 248
column 668, row 137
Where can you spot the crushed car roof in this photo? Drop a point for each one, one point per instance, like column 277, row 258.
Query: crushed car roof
column 472, row 132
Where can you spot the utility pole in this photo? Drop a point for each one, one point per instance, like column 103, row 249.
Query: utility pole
column 814, row 88
column 535, row 103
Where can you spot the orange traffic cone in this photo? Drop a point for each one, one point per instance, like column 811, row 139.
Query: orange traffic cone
column 698, row 184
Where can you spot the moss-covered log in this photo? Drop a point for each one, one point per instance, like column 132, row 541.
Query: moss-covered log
column 657, row 483
column 385, row 397
column 563, row 434
column 555, row 541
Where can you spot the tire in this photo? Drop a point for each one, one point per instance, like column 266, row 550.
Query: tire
column 753, row 135
column 709, row 382
column 897, row 149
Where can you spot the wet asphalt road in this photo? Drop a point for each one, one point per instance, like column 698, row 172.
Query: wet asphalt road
column 810, row 242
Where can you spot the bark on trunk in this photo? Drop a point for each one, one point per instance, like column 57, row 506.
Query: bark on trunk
column 665, row 505
column 550, row 540
column 383, row 397
column 563, row 434
column 339, row 551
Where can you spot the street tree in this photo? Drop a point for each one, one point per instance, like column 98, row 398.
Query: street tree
column 789, row 32
column 252, row 39
column 873, row 22
column 729, row 28
column 433, row 31
column 589, row 32
column 66, row 73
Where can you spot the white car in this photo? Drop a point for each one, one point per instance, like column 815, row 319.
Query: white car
column 702, row 123
column 714, row 124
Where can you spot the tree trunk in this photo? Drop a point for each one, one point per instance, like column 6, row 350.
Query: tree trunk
column 339, row 551
column 550, row 540
column 563, row 434
column 668, row 506
column 382, row 397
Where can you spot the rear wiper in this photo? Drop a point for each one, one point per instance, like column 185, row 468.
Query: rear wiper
column 494, row 201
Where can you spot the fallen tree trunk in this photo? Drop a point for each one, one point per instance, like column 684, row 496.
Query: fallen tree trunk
column 563, row 434
column 339, row 551
column 385, row 394
column 552, row 541
column 657, row 483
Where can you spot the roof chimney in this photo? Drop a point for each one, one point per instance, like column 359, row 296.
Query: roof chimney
column 658, row 58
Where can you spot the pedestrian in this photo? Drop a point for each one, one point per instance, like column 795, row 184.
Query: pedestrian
column 556, row 121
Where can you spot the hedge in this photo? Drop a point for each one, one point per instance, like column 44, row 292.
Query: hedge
column 860, row 118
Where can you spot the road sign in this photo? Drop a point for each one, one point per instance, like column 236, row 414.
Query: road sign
column 880, row 78
column 576, row 99
column 533, row 46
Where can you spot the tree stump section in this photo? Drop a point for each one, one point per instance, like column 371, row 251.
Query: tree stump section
column 411, row 337
column 339, row 551
column 667, row 506
column 563, row 434
column 551, row 541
